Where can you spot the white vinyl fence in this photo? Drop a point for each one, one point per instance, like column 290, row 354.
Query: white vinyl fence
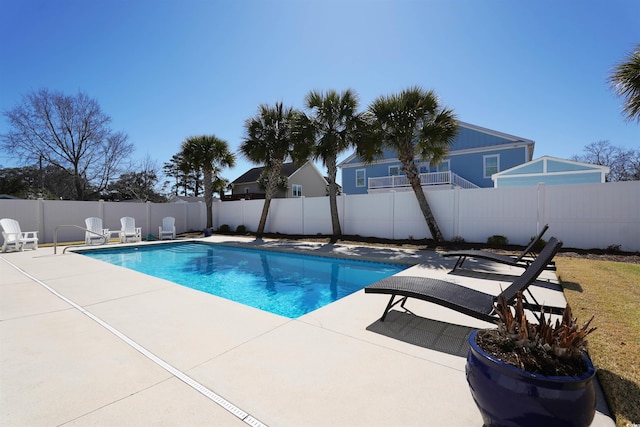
column 582, row 216
column 589, row 216
column 45, row 216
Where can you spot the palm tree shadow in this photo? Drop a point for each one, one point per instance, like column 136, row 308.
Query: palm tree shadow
column 622, row 397
column 572, row 286
column 432, row 334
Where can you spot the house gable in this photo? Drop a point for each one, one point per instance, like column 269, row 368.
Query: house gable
column 308, row 176
column 551, row 171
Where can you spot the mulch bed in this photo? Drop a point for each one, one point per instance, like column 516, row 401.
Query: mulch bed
column 428, row 244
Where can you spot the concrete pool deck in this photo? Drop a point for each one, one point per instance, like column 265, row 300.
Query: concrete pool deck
column 83, row 342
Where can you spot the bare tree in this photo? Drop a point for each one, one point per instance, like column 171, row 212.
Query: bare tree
column 139, row 182
column 622, row 162
column 68, row 132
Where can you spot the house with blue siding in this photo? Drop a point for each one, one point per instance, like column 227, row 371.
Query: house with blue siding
column 550, row 171
column 475, row 156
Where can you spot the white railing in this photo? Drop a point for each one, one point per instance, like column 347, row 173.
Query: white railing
column 459, row 181
column 431, row 178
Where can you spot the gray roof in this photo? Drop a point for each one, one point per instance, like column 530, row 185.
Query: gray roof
column 252, row 175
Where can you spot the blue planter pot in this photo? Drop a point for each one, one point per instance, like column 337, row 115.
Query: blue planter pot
column 508, row 396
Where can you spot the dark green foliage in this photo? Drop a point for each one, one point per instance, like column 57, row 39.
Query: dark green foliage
column 497, row 241
column 224, row 228
column 539, row 245
column 241, row 229
column 613, row 249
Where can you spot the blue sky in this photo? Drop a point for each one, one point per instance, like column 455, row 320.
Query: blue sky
column 166, row 70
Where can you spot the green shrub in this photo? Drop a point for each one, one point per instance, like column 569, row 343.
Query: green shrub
column 540, row 244
column 613, row 249
column 497, row 241
column 224, row 228
column 457, row 239
column 241, row 229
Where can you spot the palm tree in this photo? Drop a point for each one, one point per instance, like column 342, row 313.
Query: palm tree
column 334, row 127
column 209, row 154
column 269, row 140
column 415, row 125
column 625, row 80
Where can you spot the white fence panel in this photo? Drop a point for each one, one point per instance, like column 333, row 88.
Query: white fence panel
column 113, row 211
column 285, row 216
column 196, row 219
column 369, row 215
column 317, row 216
column 239, row 212
column 595, row 215
column 442, row 204
column 27, row 212
column 408, row 222
column 67, row 212
column 510, row 212
column 179, row 211
column 229, row 213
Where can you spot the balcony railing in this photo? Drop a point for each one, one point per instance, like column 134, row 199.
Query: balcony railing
column 431, row 178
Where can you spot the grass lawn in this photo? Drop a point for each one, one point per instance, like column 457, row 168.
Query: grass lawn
column 610, row 291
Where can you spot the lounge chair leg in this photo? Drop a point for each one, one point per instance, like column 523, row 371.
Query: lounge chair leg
column 458, row 263
column 391, row 304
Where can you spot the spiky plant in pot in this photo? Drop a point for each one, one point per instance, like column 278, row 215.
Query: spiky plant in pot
column 544, row 348
column 530, row 374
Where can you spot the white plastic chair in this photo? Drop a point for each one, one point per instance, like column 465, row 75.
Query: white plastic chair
column 168, row 228
column 129, row 232
column 14, row 238
column 96, row 234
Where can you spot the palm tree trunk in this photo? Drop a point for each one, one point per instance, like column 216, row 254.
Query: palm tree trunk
column 263, row 217
column 208, row 195
column 274, row 174
column 414, row 179
column 332, row 170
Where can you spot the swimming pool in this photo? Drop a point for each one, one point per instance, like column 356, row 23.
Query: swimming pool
column 282, row 283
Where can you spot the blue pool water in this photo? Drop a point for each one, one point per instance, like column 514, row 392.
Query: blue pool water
column 286, row 284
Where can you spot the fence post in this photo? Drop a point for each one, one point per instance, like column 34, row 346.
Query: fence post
column 302, row 213
column 41, row 218
column 456, row 212
column 541, row 214
column 216, row 218
column 393, row 214
column 149, row 229
column 342, row 217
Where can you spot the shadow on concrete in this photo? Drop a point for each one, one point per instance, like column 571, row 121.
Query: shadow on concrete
column 432, row 334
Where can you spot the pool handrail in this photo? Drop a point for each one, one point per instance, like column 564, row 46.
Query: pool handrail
column 55, row 236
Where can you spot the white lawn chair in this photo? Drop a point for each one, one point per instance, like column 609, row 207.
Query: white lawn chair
column 129, row 232
column 96, row 235
column 14, row 238
column 168, row 228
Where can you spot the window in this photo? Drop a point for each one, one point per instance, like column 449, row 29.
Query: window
column 423, row 168
column 491, row 165
column 360, row 177
column 246, row 190
column 296, row 189
column 445, row 166
column 394, row 170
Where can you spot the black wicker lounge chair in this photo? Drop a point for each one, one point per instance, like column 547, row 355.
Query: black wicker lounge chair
column 461, row 298
column 519, row 261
